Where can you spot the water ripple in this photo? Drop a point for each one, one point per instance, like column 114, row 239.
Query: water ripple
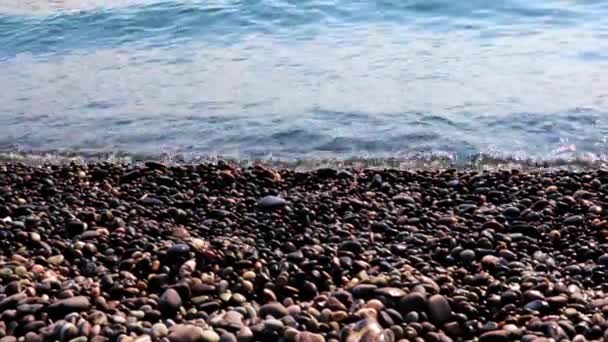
column 509, row 79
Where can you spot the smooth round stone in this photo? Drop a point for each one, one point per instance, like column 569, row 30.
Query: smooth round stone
column 209, row 336
column 170, row 302
column 139, row 314
column 274, row 325
column 159, row 330
column 56, row 260
column 32, row 337
column 603, row 260
column 306, row 336
column 80, row 339
column 495, row 336
column 67, row 331
column 228, row 337
column 291, row 333
column 72, row 304
column 178, row 250
column 390, row 292
column 414, row 301
column 490, row 261
column 271, row 202
column 403, row 199
column 76, row 227
column 537, row 305
column 275, row 309
column 367, row 330
column 238, row 298
column 26, row 309
column 143, row 338
column 511, row 212
column 467, row 255
column 412, row 317
column 244, row 334
column 439, row 309
column 531, row 295
column 364, row 290
column 186, row 333
column 249, row 275
column 338, row 316
column 574, row 220
column 118, row 319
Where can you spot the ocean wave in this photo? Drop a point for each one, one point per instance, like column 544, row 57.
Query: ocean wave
column 67, row 26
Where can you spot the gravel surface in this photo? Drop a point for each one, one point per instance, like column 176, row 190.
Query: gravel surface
column 212, row 252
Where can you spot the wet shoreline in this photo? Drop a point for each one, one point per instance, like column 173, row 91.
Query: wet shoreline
column 216, row 252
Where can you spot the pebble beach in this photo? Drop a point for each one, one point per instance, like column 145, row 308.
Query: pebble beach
column 215, row 252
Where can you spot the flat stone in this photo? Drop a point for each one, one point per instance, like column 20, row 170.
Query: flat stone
column 403, row 199
column 271, row 202
column 10, row 302
column 574, row 220
column 275, row 309
column 306, row 336
column 391, row 292
column 244, row 334
column 364, row 290
column 159, row 330
column 210, row 336
column 495, row 336
column 72, row 304
column 178, row 250
column 274, row 325
column 187, row 333
column 228, row 337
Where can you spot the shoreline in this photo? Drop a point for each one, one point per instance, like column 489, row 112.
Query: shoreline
column 412, row 162
column 214, row 252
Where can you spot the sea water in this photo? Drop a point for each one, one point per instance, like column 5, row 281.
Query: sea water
column 510, row 79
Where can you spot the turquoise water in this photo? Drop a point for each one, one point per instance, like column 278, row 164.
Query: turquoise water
column 306, row 79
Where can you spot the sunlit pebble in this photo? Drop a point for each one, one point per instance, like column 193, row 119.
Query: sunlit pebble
column 103, row 231
column 37, row 269
column 95, row 330
column 155, row 265
column 551, row 189
column 595, row 209
column 82, row 174
column 21, row 201
column 95, row 291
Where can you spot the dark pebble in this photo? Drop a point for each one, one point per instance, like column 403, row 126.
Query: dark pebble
column 271, row 202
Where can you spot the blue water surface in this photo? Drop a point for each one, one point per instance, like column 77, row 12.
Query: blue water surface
column 306, row 78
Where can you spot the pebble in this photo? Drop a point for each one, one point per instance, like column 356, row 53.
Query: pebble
column 305, row 336
column 414, row 301
column 276, row 310
column 209, row 336
column 72, row 304
column 56, row 260
column 187, row 333
column 467, row 255
column 495, row 336
column 439, row 309
column 271, row 202
column 170, row 302
column 199, row 253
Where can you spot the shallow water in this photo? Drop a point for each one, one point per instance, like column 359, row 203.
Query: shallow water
column 306, row 79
